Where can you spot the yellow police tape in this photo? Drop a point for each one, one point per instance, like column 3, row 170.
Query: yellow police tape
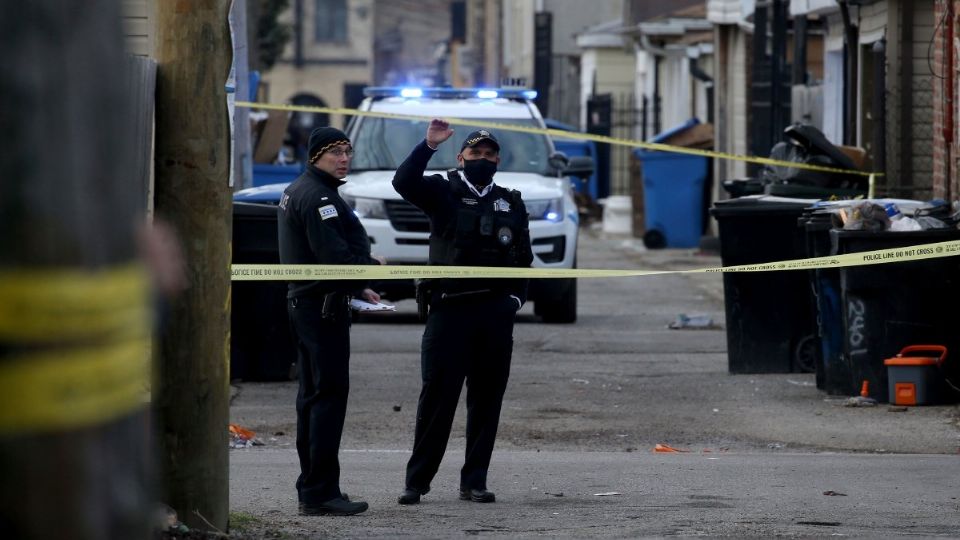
column 54, row 390
column 42, row 304
column 633, row 143
column 74, row 347
column 297, row 272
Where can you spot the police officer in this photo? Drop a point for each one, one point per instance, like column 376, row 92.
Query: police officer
column 469, row 330
column 315, row 226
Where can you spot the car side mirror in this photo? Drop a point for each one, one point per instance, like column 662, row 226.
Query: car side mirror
column 580, row 166
column 558, row 161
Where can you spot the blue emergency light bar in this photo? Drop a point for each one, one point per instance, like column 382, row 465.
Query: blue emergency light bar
column 449, row 93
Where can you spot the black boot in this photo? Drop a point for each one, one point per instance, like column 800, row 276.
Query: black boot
column 333, row 507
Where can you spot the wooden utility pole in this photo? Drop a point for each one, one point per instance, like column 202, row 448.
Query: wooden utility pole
column 74, row 330
column 191, row 396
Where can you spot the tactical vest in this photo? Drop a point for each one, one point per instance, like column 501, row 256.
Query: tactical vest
column 484, row 233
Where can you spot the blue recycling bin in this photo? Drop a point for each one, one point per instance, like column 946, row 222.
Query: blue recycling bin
column 833, row 372
column 673, row 194
column 264, row 174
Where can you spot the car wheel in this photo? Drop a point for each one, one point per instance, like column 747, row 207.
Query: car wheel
column 561, row 307
column 807, row 354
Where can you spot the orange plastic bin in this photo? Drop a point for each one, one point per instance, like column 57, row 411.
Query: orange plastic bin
column 917, row 379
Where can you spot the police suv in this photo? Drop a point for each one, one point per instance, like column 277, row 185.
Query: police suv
column 529, row 163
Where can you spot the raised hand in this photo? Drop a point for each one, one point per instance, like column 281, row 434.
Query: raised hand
column 437, row 132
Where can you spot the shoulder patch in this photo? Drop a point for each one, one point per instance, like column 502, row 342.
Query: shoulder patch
column 328, row 211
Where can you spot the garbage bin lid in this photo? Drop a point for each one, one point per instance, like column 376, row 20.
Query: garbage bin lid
column 902, row 360
column 254, row 209
column 760, row 204
column 903, row 204
column 267, row 193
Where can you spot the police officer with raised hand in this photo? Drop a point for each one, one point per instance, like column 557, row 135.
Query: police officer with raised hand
column 469, row 329
column 315, row 226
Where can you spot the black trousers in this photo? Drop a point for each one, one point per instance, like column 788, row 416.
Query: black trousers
column 323, row 347
column 465, row 339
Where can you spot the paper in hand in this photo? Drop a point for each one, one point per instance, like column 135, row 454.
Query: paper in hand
column 362, row 305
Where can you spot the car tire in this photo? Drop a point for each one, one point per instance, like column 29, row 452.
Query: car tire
column 806, row 354
column 561, row 307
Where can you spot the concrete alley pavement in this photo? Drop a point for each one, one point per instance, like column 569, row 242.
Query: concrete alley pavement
column 618, row 495
column 586, row 404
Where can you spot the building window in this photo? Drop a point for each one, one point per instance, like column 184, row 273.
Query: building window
column 330, row 21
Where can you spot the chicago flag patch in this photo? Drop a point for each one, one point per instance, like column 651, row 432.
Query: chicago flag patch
column 328, row 211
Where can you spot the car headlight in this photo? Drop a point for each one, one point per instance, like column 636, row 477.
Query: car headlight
column 545, row 209
column 367, row 208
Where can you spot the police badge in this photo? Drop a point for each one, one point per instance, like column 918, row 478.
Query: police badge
column 505, row 235
column 501, row 205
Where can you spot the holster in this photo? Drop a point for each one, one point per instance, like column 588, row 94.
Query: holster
column 335, row 305
column 423, row 298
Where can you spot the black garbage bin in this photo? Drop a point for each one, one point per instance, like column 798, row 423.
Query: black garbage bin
column 261, row 346
column 833, row 373
column 887, row 307
column 770, row 326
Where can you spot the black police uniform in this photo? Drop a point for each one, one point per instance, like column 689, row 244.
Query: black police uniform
column 315, row 226
column 469, row 330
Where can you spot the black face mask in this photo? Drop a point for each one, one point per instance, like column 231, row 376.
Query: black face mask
column 479, row 171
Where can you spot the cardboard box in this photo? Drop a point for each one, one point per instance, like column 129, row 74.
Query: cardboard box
column 270, row 135
column 698, row 136
column 857, row 154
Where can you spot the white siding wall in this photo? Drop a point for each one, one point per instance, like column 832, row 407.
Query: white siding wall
column 731, row 121
column 675, row 82
column 642, row 85
column 588, row 72
column 700, row 105
column 518, row 39
column 873, row 18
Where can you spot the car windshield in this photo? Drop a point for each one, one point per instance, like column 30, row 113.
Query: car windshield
column 383, row 143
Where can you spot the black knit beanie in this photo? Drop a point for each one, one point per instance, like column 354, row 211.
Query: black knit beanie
column 323, row 139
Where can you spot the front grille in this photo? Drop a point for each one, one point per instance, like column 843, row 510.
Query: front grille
column 407, row 217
